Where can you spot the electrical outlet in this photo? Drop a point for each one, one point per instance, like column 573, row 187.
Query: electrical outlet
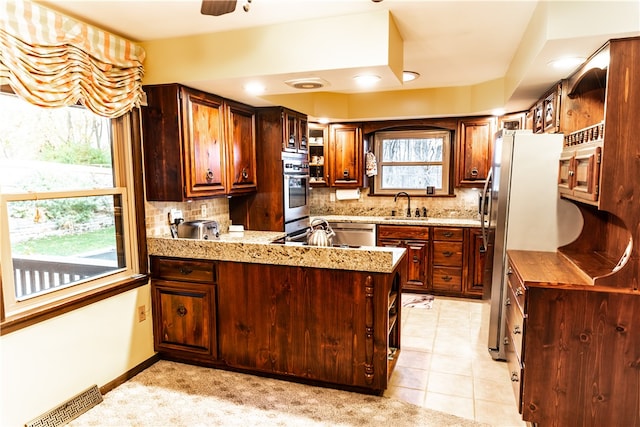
column 142, row 313
column 175, row 215
column 203, row 210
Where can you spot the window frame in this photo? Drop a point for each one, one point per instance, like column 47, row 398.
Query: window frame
column 447, row 161
column 127, row 159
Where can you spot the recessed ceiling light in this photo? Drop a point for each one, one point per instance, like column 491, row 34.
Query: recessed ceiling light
column 307, row 83
column 567, row 62
column 254, row 88
column 323, row 120
column 366, row 80
column 408, row 76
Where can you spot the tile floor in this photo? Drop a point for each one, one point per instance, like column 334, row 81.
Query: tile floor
column 445, row 365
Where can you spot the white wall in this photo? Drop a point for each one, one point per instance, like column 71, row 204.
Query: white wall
column 47, row 363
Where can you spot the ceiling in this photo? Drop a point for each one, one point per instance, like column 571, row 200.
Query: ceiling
column 472, row 56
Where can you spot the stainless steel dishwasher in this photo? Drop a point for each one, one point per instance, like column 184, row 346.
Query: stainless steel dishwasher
column 353, row 234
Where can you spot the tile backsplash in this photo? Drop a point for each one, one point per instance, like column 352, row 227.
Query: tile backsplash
column 157, row 214
column 463, row 205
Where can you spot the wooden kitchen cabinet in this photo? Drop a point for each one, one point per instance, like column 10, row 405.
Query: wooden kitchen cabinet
column 333, row 326
column 474, row 150
column 447, row 256
column 479, row 263
column 415, row 239
column 345, row 156
column 241, row 155
column 295, row 136
column 183, row 301
column 559, row 323
column 196, row 145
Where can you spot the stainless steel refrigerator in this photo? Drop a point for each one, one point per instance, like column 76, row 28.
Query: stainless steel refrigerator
column 523, row 210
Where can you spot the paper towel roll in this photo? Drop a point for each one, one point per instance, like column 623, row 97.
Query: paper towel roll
column 348, row 194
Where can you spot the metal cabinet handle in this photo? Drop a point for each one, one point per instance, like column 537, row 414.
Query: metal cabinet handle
column 516, row 330
column 514, row 377
column 416, row 259
column 519, row 291
column 209, row 175
column 509, row 270
column 447, row 234
column 447, row 253
column 474, row 172
column 447, row 278
column 182, row 310
column 244, row 174
column 507, row 302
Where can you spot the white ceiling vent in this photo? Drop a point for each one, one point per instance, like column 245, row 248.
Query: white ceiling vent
column 307, row 83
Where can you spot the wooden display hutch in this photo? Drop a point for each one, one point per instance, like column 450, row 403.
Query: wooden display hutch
column 599, row 167
column 572, row 316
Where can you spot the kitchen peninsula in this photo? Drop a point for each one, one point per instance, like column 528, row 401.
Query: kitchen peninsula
column 314, row 314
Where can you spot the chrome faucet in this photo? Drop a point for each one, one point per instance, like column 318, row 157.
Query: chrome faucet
column 395, row 199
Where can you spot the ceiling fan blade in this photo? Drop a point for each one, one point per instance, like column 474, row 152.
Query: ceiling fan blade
column 217, row 7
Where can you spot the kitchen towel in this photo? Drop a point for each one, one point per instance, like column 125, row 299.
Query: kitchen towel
column 348, row 194
column 371, row 165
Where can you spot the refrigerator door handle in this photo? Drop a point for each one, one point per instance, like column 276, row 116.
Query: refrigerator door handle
column 483, row 212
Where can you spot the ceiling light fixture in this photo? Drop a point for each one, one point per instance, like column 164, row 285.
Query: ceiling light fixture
column 408, row 76
column 367, row 80
column 307, row 83
column 566, row 62
column 254, row 88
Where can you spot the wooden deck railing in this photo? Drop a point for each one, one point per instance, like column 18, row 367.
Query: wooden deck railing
column 37, row 274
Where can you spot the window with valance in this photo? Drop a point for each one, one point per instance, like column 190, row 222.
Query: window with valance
column 69, row 199
column 52, row 60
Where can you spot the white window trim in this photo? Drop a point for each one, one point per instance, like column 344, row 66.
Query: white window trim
column 123, row 173
column 446, row 160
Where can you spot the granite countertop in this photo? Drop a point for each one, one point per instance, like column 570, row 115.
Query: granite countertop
column 257, row 247
column 399, row 220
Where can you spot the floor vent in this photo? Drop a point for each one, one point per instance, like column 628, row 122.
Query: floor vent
column 69, row 410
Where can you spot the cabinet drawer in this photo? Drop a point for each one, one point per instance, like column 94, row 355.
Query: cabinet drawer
column 403, row 232
column 448, row 233
column 515, row 370
column 447, row 279
column 517, row 289
column 514, row 324
column 183, row 270
column 447, row 253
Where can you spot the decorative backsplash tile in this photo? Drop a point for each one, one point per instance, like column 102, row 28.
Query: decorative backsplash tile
column 463, row 205
column 157, row 214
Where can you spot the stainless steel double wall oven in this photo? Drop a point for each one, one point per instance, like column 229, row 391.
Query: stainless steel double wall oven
column 295, row 169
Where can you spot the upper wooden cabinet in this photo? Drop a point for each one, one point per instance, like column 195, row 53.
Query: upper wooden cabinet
column 474, row 150
column 196, row 144
column 345, row 156
column 241, row 160
column 318, row 165
column 295, row 138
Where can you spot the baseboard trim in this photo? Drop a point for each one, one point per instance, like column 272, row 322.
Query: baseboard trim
column 129, row 374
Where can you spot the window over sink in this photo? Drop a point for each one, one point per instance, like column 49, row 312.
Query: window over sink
column 413, row 161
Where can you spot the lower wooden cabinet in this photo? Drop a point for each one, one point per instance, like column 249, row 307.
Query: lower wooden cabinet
column 572, row 349
column 334, row 326
column 415, row 239
column 183, row 298
column 441, row 260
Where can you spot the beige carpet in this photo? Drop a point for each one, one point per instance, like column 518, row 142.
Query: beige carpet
column 175, row 394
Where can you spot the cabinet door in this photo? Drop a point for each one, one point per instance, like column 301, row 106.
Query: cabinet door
column 479, row 265
column 475, row 144
column 303, row 131
column 241, row 155
column 345, row 156
column 417, row 264
column 587, row 173
column 203, row 130
column 184, row 319
column 566, row 173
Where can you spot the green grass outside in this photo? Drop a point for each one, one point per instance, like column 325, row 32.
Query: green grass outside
column 72, row 244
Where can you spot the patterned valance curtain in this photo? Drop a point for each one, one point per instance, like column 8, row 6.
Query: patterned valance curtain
column 52, row 60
